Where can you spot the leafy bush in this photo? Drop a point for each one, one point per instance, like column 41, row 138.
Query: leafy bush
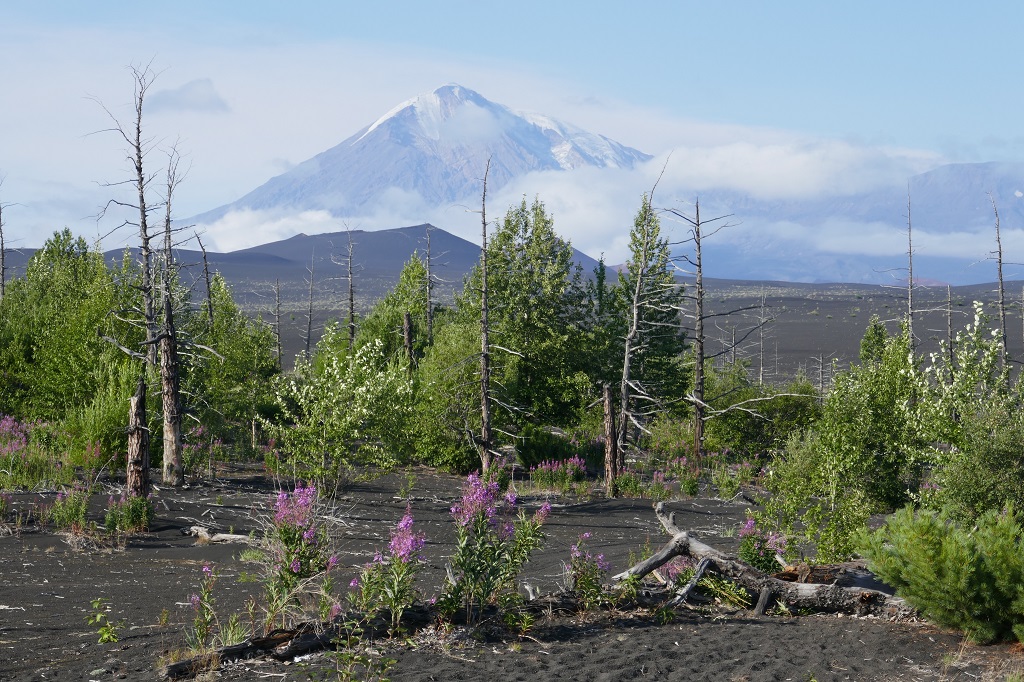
column 961, row 577
column 28, row 455
column 863, row 455
column 342, row 411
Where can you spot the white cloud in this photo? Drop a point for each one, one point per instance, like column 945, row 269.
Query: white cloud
column 196, row 95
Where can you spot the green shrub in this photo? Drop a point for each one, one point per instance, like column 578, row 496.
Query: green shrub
column 988, row 473
column 68, row 510
column 967, row 578
column 131, row 514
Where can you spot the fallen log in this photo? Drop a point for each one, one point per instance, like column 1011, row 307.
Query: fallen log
column 843, row 594
column 206, row 536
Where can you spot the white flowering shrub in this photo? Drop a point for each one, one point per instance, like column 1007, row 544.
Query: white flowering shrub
column 340, row 410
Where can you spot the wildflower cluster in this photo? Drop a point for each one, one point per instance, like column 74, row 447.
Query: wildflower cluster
column 68, row 511
column 585, row 574
column 759, row 548
column 128, row 514
column 299, row 546
column 25, row 455
column 200, row 449
column 387, row 581
column 560, row 475
column 493, row 541
column 686, row 472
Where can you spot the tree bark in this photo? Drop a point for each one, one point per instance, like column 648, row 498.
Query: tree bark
column 698, row 342
column 170, row 384
column 1002, row 290
column 138, row 441
column 611, row 463
column 209, row 291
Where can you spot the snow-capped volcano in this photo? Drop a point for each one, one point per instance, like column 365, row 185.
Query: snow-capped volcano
column 432, row 149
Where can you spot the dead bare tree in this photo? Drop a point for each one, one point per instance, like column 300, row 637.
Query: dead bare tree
column 697, row 235
column 170, row 378
column 138, row 149
column 1001, row 301
column 277, row 321
column 485, row 343
column 430, row 289
column 910, row 275
column 307, row 338
column 3, row 248
column 206, row 277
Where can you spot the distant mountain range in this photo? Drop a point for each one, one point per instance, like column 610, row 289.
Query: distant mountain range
column 427, row 154
column 378, row 258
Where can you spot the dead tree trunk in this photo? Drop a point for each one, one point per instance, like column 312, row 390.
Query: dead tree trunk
column 308, row 337
column 1002, row 290
column 277, row 322
column 611, row 463
column 351, row 292
column 910, row 276
column 485, row 342
column 3, row 252
column 430, row 291
column 698, row 341
column 170, row 381
column 841, row 595
column 209, row 290
column 138, row 441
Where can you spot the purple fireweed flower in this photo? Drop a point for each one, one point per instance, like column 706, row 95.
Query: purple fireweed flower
column 295, row 509
column 194, row 600
column 541, row 515
column 749, row 528
column 309, row 534
column 335, row 611
column 332, row 561
column 478, row 498
column 354, row 584
column 207, row 570
column 404, row 542
column 511, row 498
column 296, row 566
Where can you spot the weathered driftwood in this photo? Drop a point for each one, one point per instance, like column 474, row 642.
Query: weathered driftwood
column 205, row 535
column 840, row 595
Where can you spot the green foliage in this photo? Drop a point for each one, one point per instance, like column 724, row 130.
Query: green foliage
column 105, row 628
column 30, row 455
column 648, row 302
column 235, row 386
column 863, row 454
column 759, row 547
column 986, row 473
column 131, row 514
column 68, row 511
column 536, row 299
column 341, row 411
column 386, row 321
column 755, row 418
column 585, row 574
column 962, row 577
column 447, row 407
column 388, row 581
column 50, row 353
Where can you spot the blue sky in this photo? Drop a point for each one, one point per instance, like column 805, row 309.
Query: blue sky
column 836, row 94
